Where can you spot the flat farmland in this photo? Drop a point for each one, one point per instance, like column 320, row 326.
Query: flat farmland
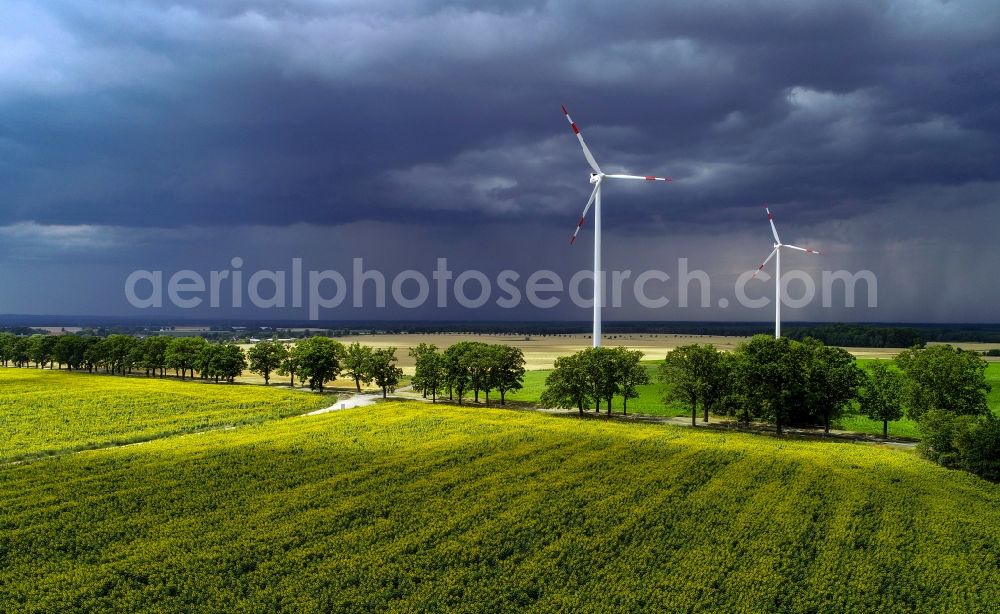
column 541, row 351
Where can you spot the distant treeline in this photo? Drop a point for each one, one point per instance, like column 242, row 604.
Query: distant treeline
column 850, row 335
column 858, row 335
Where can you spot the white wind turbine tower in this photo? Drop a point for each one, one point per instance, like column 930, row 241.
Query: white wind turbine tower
column 597, row 178
column 776, row 254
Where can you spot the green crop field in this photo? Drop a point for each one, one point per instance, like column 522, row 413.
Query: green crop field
column 415, row 507
column 48, row 412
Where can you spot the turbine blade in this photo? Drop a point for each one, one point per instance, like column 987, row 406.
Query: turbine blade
column 583, row 216
column 805, row 249
column 770, row 218
column 586, row 151
column 766, row 260
column 641, row 177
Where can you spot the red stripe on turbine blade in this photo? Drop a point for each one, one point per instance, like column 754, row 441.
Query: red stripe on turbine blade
column 565, row 112
column 669, row 179
column 650, row 178
column 572, row 239
column 580, row 223
column 575, row 129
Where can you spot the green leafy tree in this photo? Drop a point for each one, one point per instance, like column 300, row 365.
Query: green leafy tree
column 946, row 378
column 290, row 365
column 93, row 355
column 136, row 355
column 978, row 447
column 457, row 371
column 120, row 353
column 228, row 362
column 183, row 354
column 433, row 373
column 318, row 360
column 960, row 441
column 695, row 374
column 21, row 352
column 507, row 369
column 69, row 351
column 154, row 357
column 488, row 359
column 881, row 398
column 631, row 374
column 424, row 366
column 568, row 385
column 40, row 349
column 602, row 374
column 60, row 352
column 384, row 371
column 719, row 391
column 772, row 379
column 266, row 357
column 98, row 355
column 7, row 344
column 833, row 381
column 355, row 364
column 939, row 429
column 477, row 360
column 207, row 361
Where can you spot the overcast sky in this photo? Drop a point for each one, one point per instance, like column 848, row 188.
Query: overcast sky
column 170, row 135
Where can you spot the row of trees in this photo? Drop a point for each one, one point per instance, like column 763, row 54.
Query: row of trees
column 780, row 381
column 319, row 360
column 805, row 382
column 124, row 354
column 467, row 366
column 316, row 360
column 595, row 375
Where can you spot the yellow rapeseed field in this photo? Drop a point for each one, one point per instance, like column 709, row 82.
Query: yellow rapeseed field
column 414, row 507
column 48, row 412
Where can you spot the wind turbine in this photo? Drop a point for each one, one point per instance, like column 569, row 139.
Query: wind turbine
column 776, row 254
column 597, row 178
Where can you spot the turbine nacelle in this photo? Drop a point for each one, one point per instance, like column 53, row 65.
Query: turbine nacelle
column 595, row 177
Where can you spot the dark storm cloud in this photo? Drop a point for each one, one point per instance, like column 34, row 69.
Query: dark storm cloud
column 179, row 133
column 171, row 113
